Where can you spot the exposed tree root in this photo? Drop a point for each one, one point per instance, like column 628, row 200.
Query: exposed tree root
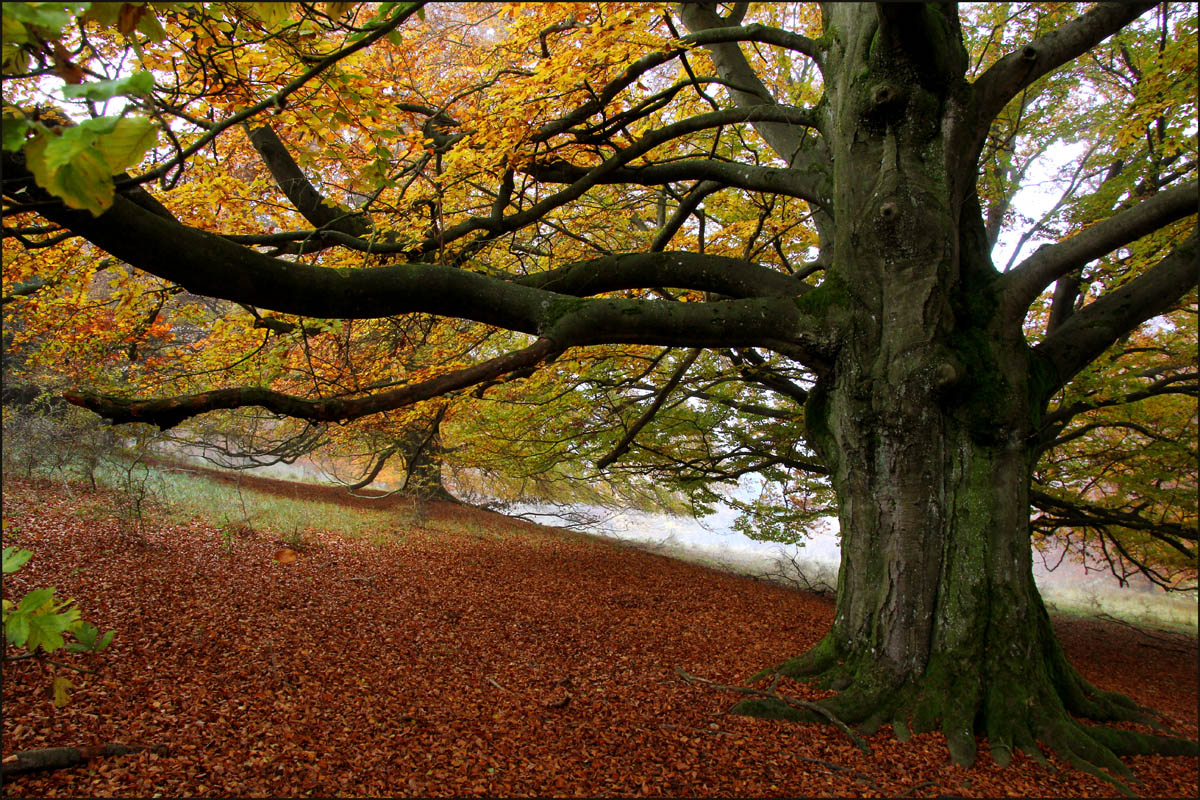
column 1015, row 705
column 771, row 700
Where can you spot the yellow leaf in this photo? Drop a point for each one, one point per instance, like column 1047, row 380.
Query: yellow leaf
column 62, row 695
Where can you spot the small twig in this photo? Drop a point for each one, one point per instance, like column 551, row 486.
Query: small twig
column 43, row 660
column 796, row 702
column 493, row 682
column 71, row 666
column 915, row 787
column 857, row 775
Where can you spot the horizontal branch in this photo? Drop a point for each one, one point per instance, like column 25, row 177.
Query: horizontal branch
column 210, row 265
column 1072, row 513
column 805, row 185
column 169, row 412
column 732, row 277
column 1173, row 384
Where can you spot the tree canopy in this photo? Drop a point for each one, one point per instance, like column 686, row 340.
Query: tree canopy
column 655, row 246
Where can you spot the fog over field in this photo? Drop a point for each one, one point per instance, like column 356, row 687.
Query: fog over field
column 1066, row 585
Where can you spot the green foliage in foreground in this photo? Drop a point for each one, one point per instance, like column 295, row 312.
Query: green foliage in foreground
column 39, row 621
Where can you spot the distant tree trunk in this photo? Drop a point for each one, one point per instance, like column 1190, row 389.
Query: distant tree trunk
column 421, row 447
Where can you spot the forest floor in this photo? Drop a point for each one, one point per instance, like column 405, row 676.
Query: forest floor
column 458, row 652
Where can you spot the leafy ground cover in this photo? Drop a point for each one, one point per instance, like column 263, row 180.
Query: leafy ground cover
column 457, row 652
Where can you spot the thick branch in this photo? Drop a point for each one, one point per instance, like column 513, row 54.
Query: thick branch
column 1092, row 330
column 209, row 265
column 786, row 140
column 732, row 277
column 1005, row 79
column 1021, row 285
column 805, row 185
column 169, row 412
column 303, row 195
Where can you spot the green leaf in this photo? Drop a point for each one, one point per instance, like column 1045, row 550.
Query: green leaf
column 86, row 183
column 62, row 695
column 69, row 168
column 14, row 559
column 51, row 16
column 15, row 58
column 16, row 629
column 149, row 25
column 68, row 145
column 100, row 125
column 46, row 631
column 15, row 130
column 129, row 141
column 35, row 600
column 105, row 640
column 272, row 14
column 139, row 84
column 86, row 633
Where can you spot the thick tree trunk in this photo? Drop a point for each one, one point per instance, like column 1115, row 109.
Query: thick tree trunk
column 925, row 419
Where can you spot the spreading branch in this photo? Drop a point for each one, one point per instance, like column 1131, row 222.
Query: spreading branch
column 1078, row 514
column 1021, row 285
column 1005, row 79
column 169, row 412
column 1093, row 329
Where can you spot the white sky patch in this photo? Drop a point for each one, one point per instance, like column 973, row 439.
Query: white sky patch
column 1036, row 197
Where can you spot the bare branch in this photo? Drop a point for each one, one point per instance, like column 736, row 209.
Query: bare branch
column 806, row 185
column 648, row 414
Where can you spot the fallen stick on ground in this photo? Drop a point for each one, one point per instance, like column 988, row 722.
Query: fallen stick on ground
column 49, row 758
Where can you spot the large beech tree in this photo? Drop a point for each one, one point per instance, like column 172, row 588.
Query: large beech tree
column 926, row 390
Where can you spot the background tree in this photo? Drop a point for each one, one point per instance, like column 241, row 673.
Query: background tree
column 543, row 176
